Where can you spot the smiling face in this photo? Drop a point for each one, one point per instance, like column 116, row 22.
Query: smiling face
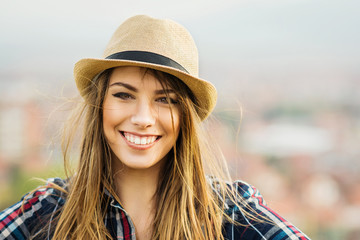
column 141, row 124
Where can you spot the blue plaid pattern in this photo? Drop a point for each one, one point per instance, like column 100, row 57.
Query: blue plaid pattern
column 39, row 208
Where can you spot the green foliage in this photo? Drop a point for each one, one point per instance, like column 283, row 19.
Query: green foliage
column 22, row 181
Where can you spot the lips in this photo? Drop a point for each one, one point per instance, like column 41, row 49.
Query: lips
column 140, row 140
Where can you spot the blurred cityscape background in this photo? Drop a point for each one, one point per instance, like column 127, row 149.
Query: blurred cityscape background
column 287, row 73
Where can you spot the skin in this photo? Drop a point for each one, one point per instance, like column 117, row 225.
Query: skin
column 140, row 132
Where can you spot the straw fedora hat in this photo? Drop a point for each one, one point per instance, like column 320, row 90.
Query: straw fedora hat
column 158, row 44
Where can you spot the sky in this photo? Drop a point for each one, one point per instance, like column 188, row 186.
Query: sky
column 243, row 43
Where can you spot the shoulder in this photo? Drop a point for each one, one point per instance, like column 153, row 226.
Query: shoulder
column 241, row 192
column 253, row 219
column 33, row 210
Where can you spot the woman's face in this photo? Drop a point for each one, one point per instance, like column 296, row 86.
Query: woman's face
column 137, row 118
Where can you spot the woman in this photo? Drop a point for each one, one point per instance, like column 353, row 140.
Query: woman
column 143, row 154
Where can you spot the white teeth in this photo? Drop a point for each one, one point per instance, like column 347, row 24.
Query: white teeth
column 139, row 140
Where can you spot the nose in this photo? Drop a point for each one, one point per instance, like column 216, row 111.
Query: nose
column 144, row 115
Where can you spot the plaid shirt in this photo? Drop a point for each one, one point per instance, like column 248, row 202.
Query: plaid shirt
column 41, row 207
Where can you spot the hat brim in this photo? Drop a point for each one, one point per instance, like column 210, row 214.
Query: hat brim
column 87, row 69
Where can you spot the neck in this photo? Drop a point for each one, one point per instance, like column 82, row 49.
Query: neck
column 130, row 183
column 136, row 190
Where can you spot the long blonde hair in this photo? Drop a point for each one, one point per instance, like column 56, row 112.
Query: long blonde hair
column 187, row 207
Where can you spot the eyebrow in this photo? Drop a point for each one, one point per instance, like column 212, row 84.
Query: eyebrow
column 128, row 86
column 134, row 89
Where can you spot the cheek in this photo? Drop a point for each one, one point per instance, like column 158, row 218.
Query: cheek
column 108, row 116
column 111, row 120
column 111, row 111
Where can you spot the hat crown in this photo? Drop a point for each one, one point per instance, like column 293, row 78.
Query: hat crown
column 163, row 37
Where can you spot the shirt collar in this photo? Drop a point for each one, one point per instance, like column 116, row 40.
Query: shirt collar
column 113, row 201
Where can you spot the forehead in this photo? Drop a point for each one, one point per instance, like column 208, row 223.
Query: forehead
column 136, row 76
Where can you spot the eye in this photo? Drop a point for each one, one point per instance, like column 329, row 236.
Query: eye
column 166, row 100
column 123, row 95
